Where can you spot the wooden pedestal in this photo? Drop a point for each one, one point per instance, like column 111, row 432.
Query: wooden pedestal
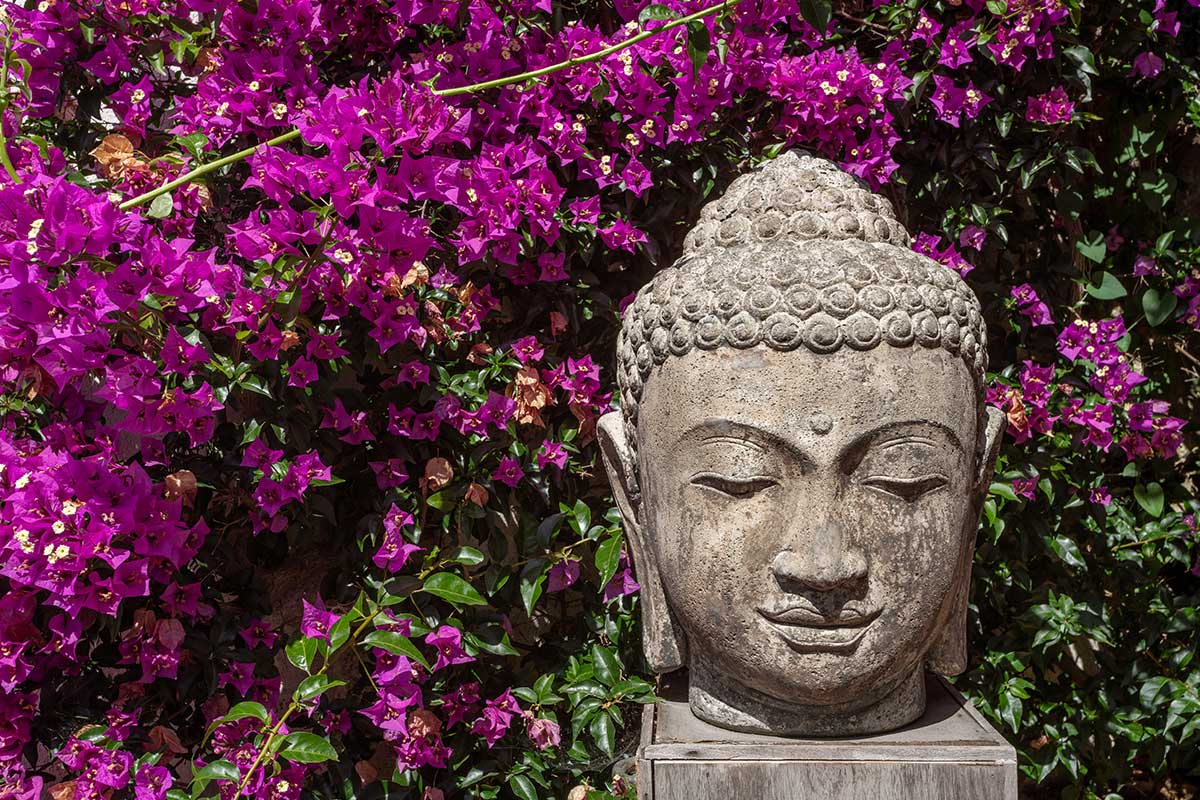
column 951, row 753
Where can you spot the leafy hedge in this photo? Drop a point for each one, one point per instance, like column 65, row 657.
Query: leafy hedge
column 298, row 481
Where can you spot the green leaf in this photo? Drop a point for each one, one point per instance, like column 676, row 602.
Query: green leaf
column 1150, row 497
column 1158, row 306
column 395, row 644
column 604, row 732
column 581, row 517
column 218, row 770
column 698, row 43
column 600, row 91
column 1011, row 708
column 533, row 581
column 454, row 589
column 1067, row 550
column 656, row 11
column 315, row 686
column 193, row 142
column 442, row 501
column 1151, row 690
column 306, row 748
column 1092, row 246
column 242, row 710
column 605, row 664
column 1109, row 288
column 817, row 13
column 608, row 558
column 522, row 787
column 1085, row 62
column 498, row 645
column 1003, row 490
column 1004, row 123
column 301, row 652
column 339, row 633
column 466, row 555
column 161, row 206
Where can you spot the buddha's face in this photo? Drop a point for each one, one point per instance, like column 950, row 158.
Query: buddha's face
column 809, row 512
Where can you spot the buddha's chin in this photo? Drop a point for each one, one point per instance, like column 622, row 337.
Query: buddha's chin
column 813, row 672
column 812, row 684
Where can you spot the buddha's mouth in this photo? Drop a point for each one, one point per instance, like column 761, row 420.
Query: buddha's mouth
column 806, row 630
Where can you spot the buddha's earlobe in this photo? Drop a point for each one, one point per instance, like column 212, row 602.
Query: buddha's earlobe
column 993, row 434
column 949, row 654
column 663, row 641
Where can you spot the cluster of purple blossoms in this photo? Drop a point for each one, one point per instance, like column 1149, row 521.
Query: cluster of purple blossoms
column 837, row 103
column 947, row 254
column 1051, row 108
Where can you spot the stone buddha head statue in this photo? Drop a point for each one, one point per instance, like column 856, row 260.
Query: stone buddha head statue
column 800, row 457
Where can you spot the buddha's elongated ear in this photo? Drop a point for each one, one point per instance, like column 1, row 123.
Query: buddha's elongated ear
column 662, row 639
column 949, row 654
column 993, row 434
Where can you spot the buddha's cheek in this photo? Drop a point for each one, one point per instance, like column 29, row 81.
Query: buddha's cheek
column 914, row 558
column 701, row 551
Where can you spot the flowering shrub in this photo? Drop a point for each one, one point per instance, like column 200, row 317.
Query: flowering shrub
column 298, row 485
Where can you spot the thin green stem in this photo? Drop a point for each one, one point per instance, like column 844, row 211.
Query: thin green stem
column 295, row 704
column 596, row 56
column 204, row 169
column 4, row 159
column 452, row 92
column 1141, row 542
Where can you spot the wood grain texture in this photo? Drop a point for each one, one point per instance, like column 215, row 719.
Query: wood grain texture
column 830, row 780
column 951, row 753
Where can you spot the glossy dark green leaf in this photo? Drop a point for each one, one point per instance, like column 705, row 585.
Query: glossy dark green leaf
column 699, row 42
column 1109, row 287
column 466, row 555
column 656, row 11
column 1092, row 246
column 1158, row 306
column 603, row 732
column 395, row 644
column 605, row 664
column 522, row 787
column 608, row 558
column 1150, row 497
column 454, row 589
column 316, row 685
column 306, row 748
column 817, row 13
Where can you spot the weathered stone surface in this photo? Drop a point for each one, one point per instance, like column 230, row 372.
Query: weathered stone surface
column 950, row 753
column 801, row 457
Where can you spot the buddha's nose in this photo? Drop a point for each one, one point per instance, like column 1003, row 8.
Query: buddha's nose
column 822, row 560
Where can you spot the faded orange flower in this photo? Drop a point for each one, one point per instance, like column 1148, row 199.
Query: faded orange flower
column 531, row 395
column 114, row 153
column 438, row 473
column 477, row 494
column 1016, row 412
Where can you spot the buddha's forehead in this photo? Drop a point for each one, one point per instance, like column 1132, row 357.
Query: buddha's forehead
column 800, row 395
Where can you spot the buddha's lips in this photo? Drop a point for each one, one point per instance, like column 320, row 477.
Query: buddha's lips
column 807, row 631
column 805, row 617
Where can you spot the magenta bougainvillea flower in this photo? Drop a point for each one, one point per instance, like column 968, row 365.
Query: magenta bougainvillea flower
column 366, row 363
column 1052, row 108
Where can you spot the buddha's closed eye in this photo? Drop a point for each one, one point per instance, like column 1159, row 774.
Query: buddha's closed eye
column 733, row 486
column 909, row 489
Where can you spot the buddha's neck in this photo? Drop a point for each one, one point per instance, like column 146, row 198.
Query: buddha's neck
column 724, row 703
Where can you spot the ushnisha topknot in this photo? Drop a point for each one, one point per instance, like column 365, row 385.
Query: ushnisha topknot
column 797, row 253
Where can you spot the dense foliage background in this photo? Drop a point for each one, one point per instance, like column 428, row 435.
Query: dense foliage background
column 298, row 483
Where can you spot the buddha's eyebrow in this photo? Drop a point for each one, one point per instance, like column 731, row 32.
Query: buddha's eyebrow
column 718, row 438
column 922, row 431
column 727, row 430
